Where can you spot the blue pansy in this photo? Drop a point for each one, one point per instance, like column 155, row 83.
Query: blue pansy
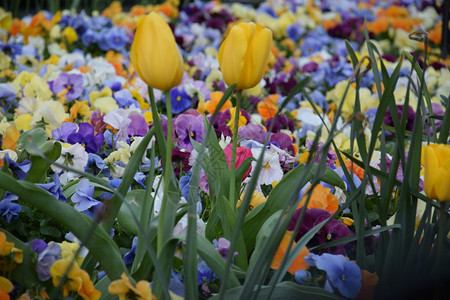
column 204, row 273
column 54, row 188
column 83, row 196
column 180, row 100
column 342, row 274
column 129, row 256
column 8, row 209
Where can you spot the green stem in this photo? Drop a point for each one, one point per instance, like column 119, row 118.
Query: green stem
column 232, row 196
column 439, row 292
column 167, row 167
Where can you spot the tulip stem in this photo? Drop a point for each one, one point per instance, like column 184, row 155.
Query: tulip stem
column 440, row 245
column 237, row 112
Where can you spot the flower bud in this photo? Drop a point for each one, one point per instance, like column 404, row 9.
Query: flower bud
column 155, row 54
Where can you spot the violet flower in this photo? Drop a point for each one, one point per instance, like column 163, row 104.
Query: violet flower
column 409, row 119
column 252, row 131
column 282, row 122
column 333, row 230
column 85, row 136
column 73, row 83
column 187, row 127
column 331, row 156
column 61, row 134
column 138, row 125
column 47, row 255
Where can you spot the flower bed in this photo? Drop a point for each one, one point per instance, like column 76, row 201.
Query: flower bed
column 223, row 151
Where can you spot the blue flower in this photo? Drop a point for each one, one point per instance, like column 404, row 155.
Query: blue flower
column 117, row 38
column 8, row 209
column 125, row 99
column 204, row 273
column 180, row 100
column 21, row 169
column 342, row 274
column 129, row 256
column 83, row 196
column 54, row 188
column 89, row 37
column 176, row 283
column 295, row 31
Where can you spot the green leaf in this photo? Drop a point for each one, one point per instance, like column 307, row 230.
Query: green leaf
column 34, row 141
column 85, row 229
column 283, row 291
column 39, row 166
column 135, row 199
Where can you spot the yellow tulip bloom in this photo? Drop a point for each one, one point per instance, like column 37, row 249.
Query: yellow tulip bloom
column 436, row 161
column 244, row 53
column 155, row 54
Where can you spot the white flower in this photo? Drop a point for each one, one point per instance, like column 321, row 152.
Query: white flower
column 74, row 156
column 118, row 119
column 271, row 169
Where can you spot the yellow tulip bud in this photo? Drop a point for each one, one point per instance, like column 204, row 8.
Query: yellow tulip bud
column 244, row 53
column 155, row 54
column 436, row 161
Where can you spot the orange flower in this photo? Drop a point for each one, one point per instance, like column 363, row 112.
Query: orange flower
column 78, row 280
column 6, row 287
column 368, row 284
column 138, row 10
column 320, row 198
column 435, row 34
column 80, row 110
column 378, row 26
column 114, row 9
column 5, row 246
column 215, row 99
column 268, row 108
column 299, row 262
column 10, row 138
column 356, row 169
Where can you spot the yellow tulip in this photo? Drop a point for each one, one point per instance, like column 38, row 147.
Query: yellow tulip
column 244, row 53
column 155, row 54
column 436, row 161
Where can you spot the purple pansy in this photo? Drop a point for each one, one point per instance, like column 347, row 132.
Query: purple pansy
column 85, row 136
column 73, row 83
column 186, row 127
column 253, row 132
column 47, row 255
column 333, row 230
column 138, row 125
column 61, row 134
column 20, row 169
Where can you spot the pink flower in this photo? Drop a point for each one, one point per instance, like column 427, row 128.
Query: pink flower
column 242, row 153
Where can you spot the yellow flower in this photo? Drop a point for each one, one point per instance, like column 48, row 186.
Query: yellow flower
column 5, row 246
column 125, row 289
column 80, row 109
column 6, row 287
column 22, row 122
column 436, row 161
column 94, row 95
column 242, row 120
column 155, row 54
column 68, row 250
column 37, row 88
column 70, row 34
column 105, row 104
column 244, row 53
column 78, row 280
column 257, row 199
column 5, row 19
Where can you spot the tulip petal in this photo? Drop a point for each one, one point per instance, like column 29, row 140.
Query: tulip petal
column 155, row 54
column 431, row 167
column 442, row 186
column 232, row 54
column 256, row 59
